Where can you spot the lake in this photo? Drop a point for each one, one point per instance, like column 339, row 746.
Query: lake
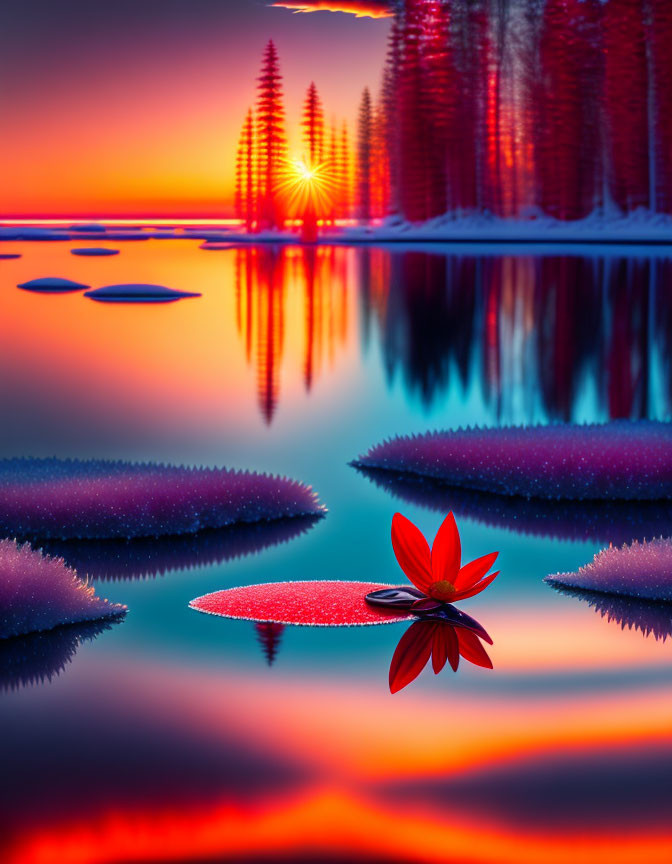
column 178, row 736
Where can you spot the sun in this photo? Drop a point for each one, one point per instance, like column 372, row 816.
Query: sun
column 306, row 190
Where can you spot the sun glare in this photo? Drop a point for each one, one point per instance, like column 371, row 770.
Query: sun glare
column 305, row 187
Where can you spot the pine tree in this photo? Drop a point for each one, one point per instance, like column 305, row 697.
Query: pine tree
column 413, row 116
column 332, row 165
column 626, row 103
column 271, row 140
column 364, row 156
column 659, row 36
column 245, row 169
column 313, row 127
column 390, row 108
column 344, row 175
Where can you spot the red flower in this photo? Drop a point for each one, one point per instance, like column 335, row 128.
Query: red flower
column 439, row 574
column 440, row 640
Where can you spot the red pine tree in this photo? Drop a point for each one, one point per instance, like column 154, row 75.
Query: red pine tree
column 626, row 103
column 270, row 138
column 364, row 156
column 245, row 165
column 313, row 127
column 659, row 15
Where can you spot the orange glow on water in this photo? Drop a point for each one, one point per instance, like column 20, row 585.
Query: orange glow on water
column 326, row 821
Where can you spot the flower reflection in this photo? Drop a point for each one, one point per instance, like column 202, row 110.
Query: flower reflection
column 444, row 637
column 649, row 617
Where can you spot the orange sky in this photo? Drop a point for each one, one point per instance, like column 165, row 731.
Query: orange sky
column 129, row 113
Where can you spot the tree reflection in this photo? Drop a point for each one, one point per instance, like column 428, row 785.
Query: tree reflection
column 532, row 337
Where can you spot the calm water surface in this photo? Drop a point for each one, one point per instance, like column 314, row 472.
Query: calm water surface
column 169, row 736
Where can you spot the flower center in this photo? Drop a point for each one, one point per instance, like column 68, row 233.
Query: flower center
column 442, row 590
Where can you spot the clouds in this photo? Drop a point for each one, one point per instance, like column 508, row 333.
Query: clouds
column 358, row 8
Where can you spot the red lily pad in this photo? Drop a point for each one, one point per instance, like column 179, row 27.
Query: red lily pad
column 315, row 604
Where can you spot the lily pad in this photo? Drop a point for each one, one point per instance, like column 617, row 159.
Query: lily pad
column 317, row 604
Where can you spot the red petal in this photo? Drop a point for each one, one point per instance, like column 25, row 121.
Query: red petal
column 445, row 647
column 411, row 654
column 412, row 551
column 471, row 648
column 446, row 551
column 476, row 589
column 474, row 570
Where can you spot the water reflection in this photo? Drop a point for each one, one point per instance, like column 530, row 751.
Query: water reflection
column 533, row 335
column 264, row 277
column 154, row 556
column 647, row 616
column 443, row 635
column 269, row 634
column 39, row 657
column 614, row 522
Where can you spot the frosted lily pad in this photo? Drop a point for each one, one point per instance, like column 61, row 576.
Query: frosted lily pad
column 95, row 499
column 7, row 256
column 316, row 604
column 138, row 294
column 94, row 251
column 38, row 592
column 52, row 285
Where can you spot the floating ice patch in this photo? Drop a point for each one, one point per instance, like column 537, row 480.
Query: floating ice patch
column 38, row 592
column 215, row 246
column 138, row 294
column 8, row 256
column 152, row 556
column 88, row 228
column 94, row 251
column 642, row 570
column 621, row 460
column 52, row 285
column 63, row 499
column 603, row 521
column 316, row 604
column 30, row 233
column 114, row 235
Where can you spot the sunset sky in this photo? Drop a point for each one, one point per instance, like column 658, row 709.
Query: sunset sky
column 133, row 108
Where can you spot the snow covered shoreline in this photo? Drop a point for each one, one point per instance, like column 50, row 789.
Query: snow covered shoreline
column 640, row 228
